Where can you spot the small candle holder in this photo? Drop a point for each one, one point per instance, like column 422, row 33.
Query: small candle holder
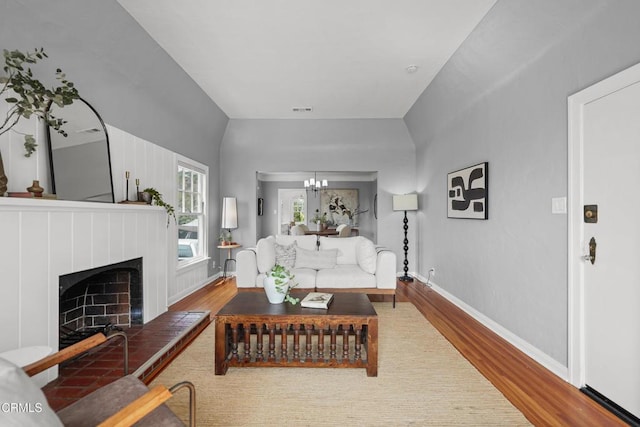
column 126, row 174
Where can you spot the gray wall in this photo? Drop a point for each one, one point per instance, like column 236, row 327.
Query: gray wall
column 123, row 74
column 381, row 145
column 502, row 98
column 268, row 222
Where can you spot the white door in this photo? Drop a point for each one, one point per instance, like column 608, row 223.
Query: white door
column 287, row 198
column 611, row 285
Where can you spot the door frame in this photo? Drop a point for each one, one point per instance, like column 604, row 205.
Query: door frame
column 281, row 193
column 575, row 245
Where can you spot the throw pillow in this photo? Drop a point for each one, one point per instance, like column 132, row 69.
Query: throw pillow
column 265, row 254
column 307, row 242
column 23, row 403
column 346, row 247
column 366, row 255
column 286, row 255
column 316, row 260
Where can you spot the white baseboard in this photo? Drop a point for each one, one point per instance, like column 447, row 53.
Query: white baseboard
column 174, row 299
column 533, row 352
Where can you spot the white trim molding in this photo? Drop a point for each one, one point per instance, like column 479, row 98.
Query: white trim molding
column 533, row 352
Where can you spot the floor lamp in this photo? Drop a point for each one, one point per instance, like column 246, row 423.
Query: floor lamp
column 405, row 202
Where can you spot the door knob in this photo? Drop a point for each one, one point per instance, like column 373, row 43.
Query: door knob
column 592, row 251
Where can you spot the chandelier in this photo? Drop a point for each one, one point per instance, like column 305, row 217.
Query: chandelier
column 314, row 184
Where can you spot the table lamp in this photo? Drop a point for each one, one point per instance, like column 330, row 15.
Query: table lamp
column 229, row 213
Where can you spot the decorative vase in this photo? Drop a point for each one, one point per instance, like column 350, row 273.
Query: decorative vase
column 35, row 189
column 144, row 196
column 270, row 289
column 3, row 178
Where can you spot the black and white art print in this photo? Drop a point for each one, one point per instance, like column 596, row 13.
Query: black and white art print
column 468, row 192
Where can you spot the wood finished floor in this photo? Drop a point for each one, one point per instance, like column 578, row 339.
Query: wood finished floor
column 544, row 398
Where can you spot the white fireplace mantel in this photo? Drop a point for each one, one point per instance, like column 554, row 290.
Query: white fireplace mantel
column 52, row 205
column 44, row 239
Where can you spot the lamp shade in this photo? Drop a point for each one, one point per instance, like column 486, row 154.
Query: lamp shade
column 229, row 213
column 405, row 202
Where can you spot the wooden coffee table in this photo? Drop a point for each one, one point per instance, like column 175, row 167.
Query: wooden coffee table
column 344, row 336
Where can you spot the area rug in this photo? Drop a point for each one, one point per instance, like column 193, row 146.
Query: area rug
column 422, row 381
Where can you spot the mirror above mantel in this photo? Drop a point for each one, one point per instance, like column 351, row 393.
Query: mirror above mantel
column 80, row 162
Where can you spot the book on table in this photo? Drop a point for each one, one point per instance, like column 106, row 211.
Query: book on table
column 317, row 300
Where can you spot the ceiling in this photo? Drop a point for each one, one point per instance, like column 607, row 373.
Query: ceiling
column 260, row 59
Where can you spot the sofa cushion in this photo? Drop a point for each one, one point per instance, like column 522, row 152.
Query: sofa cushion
column 17, row 388
column 304, row 277
column 346, row 248
column 345, row 276
column 286, row 255
column 316, row 259
column 266, row 254
column 366, row 255
column 307, row 242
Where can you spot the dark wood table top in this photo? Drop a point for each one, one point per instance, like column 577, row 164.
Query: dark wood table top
column 327, row 232
column 256, row 303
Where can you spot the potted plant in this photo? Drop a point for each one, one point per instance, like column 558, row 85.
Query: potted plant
column 353, row 216
column 29, row 97
column 225, row 238
column 320, row 220
column 156, row 197
column 278, row 283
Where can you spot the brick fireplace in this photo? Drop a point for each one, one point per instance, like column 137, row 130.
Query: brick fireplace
column 100, row 299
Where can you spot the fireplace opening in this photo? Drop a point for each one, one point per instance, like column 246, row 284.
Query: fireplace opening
column 102, row 299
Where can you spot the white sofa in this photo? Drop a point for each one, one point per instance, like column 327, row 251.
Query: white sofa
column 326, row 263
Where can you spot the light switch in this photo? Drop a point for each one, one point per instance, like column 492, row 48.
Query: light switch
column 559, row 205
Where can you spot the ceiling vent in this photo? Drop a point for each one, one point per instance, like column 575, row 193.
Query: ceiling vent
column 302, row 109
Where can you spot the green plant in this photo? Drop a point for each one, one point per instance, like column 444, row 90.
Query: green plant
column 32, row 98
column 282, row 276
column 320, row 218
column 298, row 216
column 357, row 211
column 157, row 198
column 225, row 236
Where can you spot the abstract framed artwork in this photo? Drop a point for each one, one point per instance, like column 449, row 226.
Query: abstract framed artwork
column 339, row 205
column 468, row 192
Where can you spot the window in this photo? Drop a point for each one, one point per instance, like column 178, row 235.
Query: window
column 191, row 212
column 297, row 208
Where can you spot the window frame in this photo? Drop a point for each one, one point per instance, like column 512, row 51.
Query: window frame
column 203, row 229
column 303, row 202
